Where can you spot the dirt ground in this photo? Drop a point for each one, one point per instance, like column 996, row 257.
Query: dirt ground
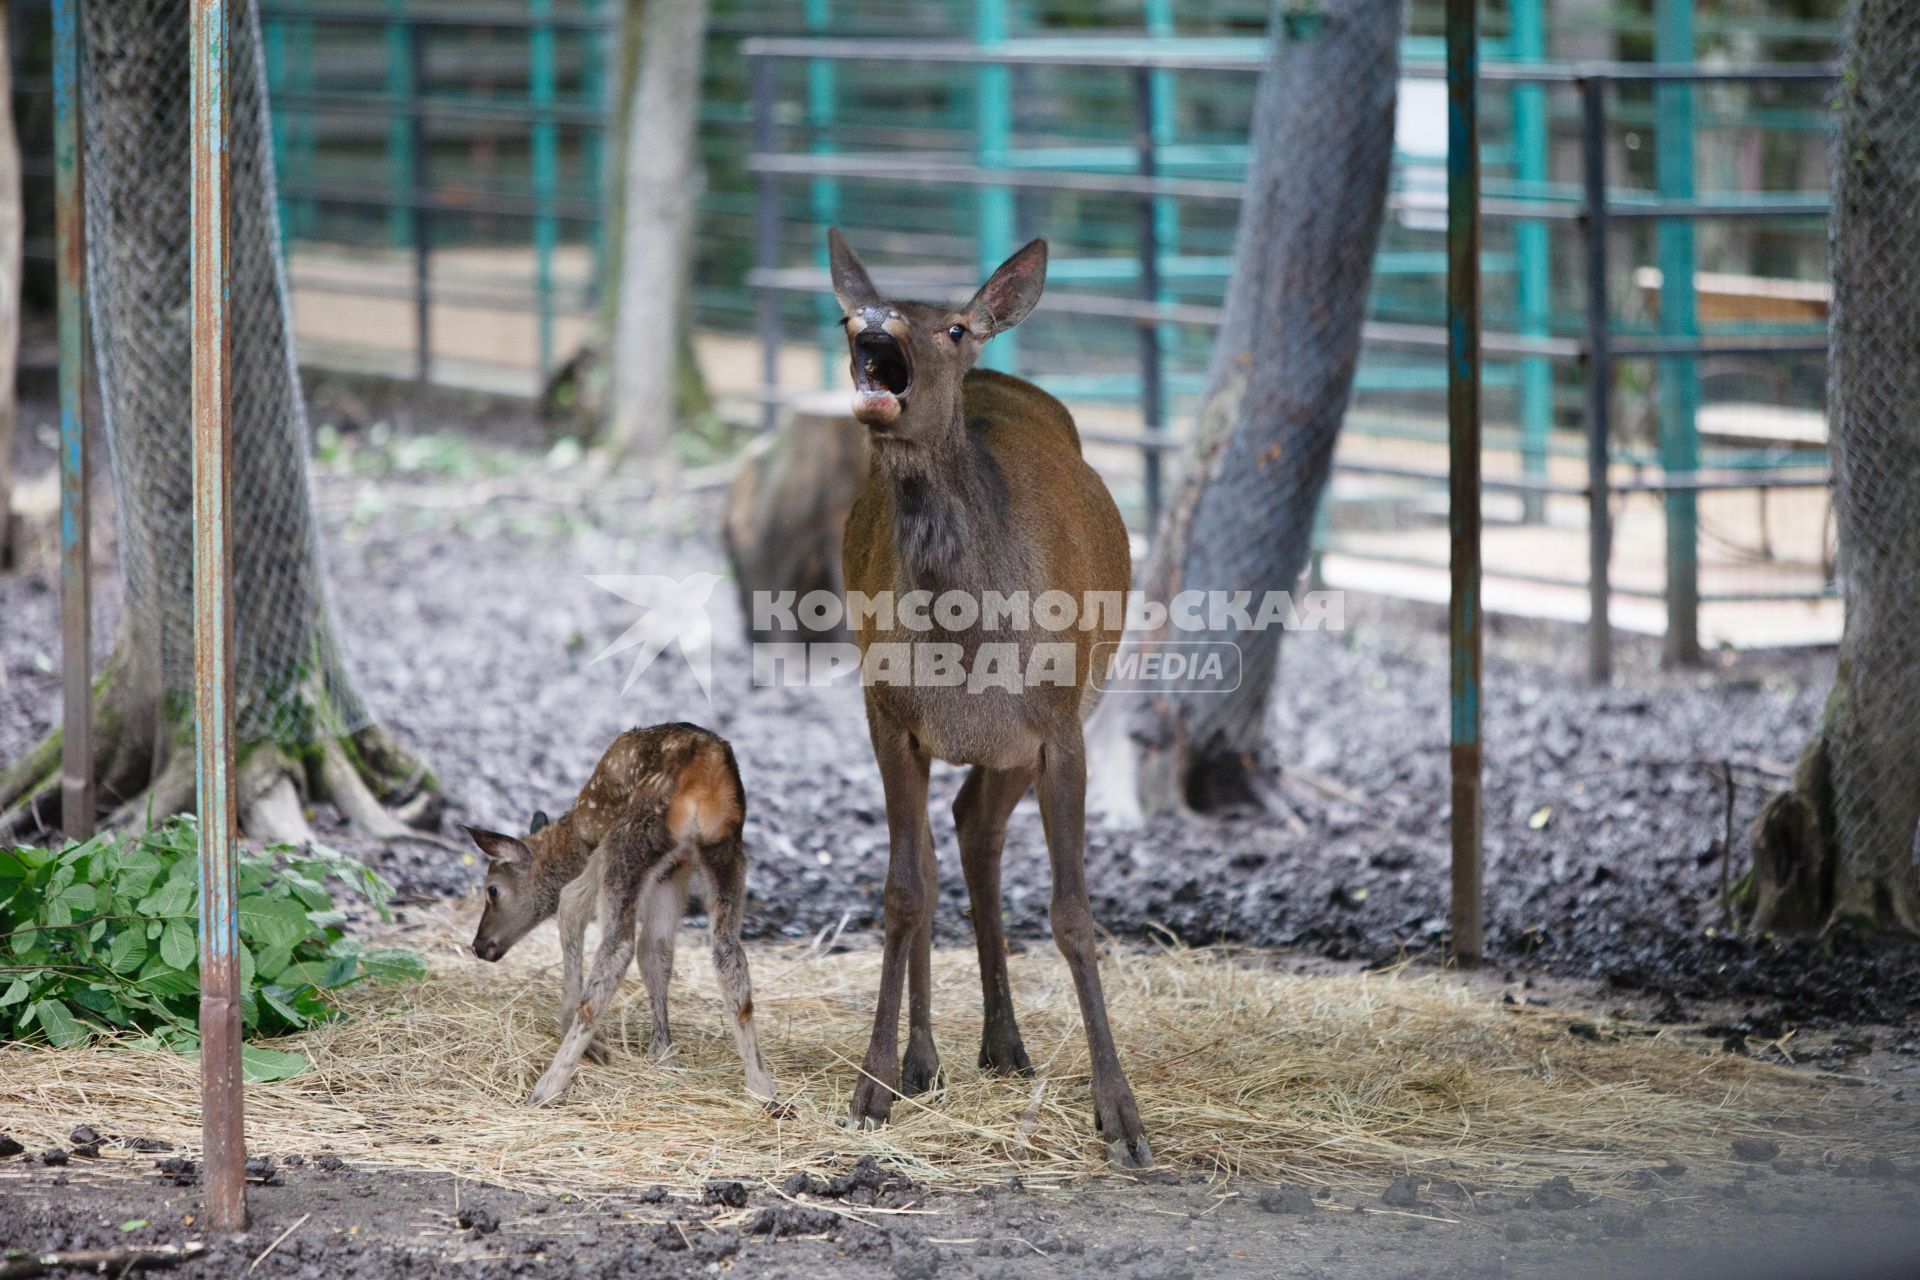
column 459, row 542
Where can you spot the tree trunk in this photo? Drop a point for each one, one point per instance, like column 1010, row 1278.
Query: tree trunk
column 662, row 177
column 1281, row 377
column 10, row 239
column 303, row 731
column 579, row 391
column 1842, row 843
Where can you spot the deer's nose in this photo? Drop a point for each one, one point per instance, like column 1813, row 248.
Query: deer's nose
column 488, row 950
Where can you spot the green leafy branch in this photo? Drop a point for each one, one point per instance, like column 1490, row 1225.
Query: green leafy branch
column 103, row 937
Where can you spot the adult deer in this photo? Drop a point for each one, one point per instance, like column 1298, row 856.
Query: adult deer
column 976, row 486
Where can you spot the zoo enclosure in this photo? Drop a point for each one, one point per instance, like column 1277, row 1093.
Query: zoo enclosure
column 1533, row 354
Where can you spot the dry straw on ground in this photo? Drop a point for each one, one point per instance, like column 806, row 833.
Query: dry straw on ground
column 1240, row 1068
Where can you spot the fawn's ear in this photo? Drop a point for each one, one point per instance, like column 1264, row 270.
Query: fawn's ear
column 1011, row 292
column 501, row 850
column 540, row 821
column 851, row 285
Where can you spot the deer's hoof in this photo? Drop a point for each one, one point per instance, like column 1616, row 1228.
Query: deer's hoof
column 597, row 1052
column 1130, row 1154
column 777, row 1108
column 872, row 1105
column 919, row 1071
column 663, row 1051
column 1005, row 1057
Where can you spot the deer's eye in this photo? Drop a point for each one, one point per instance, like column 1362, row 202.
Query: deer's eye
column 493, row 893
column 958, row 332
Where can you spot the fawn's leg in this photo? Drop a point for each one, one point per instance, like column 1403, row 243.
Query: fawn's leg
column 980, row 814
column 920, row 1066
column 903, row 773
column 663, row 906
column 1063, row 809
column 726, row 865
column 633, row 850
column 577, row 903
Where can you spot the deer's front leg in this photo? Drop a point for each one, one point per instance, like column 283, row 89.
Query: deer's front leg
column 1063, row 811
column 619, row 905
column 577, row 903
column 903, row 772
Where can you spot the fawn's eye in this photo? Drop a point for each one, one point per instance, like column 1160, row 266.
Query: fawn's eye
column 958, row 332
column 493, row 893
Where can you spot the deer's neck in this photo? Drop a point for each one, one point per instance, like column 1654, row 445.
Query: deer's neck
column 949, row 508
column 560, row 854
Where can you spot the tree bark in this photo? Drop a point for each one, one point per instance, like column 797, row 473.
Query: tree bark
column 303, row 732
column 1241, row 519
column 10, row 246
column 662, row 178
column 1842, row 843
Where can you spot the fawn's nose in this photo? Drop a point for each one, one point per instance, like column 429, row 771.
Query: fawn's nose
column 487, row 950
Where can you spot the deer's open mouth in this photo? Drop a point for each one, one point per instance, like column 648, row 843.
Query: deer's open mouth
column 882, row 374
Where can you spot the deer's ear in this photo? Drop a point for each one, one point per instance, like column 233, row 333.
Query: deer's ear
column 540, row 821
column 851, row 285
column 1011, row 292
column 501, row 850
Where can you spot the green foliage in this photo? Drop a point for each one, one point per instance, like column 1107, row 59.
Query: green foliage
column 104, row 936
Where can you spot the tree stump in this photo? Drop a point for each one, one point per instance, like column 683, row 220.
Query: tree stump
column 787, row 511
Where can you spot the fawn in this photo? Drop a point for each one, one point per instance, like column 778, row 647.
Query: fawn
column 663, row 808
column 977, row 485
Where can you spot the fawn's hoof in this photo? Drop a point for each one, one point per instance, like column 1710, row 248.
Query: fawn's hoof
column 1130, row 1154
column 596, row 1052
column 546, row 1091
column 663, row 1051
column 777, row 1108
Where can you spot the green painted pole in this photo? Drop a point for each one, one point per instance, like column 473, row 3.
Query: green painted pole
column 601, row 47
column 546, row 173
column 1162, row 90
column 222, row 1128
column 273, row 35
column 1679, row 376
column 1532, row 248
column 400, row 131
column 823, row 193
column 993, row 126
column 76, row 557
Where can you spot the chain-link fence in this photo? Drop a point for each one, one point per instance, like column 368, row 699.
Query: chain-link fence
column 137, row 207
column 1874, row 719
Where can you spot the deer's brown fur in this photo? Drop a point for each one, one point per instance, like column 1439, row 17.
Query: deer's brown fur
column 663, row 811
column 977, row 484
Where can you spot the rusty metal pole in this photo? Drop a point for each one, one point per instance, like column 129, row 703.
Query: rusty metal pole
column 1463, row 442
column 76, row 583
column 222, row 1134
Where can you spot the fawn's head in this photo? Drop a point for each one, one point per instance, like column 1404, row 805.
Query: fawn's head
column 517, row 896
column 909, row 357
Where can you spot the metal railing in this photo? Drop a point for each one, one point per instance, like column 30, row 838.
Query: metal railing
column 1592, row 212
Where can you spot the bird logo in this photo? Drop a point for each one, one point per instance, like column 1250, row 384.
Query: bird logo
column 674, row 612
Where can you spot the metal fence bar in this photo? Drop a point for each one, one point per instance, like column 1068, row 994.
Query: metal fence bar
column 418, row 180
column 546, row 173
column 762, row 72
column 1593, row 158
column 1463, row 471
column 222, row 1126
column 1152, row 400
column 76, row 583
column 1679, row 380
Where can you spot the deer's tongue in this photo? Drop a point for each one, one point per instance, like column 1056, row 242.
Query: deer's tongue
column 877, row 407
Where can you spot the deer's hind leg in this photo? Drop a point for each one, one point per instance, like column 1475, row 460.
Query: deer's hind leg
column 726, row 865
column 577, row 904
column 980, row 814
column 633, row 851
column 663, row 907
